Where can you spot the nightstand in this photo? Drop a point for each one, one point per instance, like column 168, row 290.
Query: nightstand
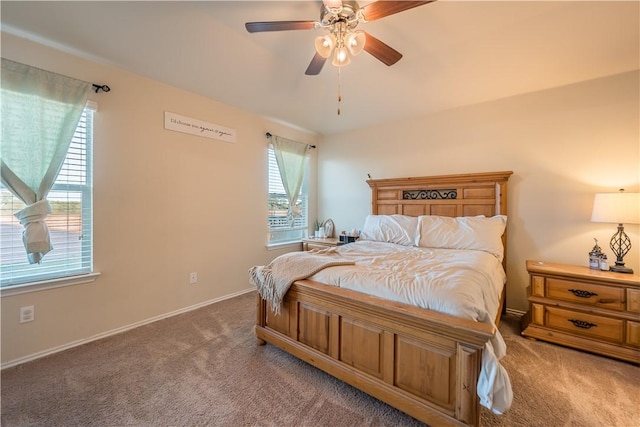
column 319, row 243
column 592, row 310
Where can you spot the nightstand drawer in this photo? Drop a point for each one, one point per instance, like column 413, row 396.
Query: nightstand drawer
column 633, row 333
column 586, row 293
column 585, row 324
column 633, row 300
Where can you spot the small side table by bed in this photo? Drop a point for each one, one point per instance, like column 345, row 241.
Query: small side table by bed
column 319, row 243
column 592, row 310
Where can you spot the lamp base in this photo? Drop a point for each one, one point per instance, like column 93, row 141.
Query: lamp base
column 620, row 245
column 621, row 269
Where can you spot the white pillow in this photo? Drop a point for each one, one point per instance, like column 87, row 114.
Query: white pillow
column 470, row 232
column 399, row 229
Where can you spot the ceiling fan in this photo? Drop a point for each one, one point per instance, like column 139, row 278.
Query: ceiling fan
column 340, row 19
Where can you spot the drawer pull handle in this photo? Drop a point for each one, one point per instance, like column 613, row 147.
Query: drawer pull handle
column 582, row 293
column 582, row 324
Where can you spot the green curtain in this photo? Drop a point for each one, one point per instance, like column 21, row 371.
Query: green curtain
column 291, row 157
column 40, row 112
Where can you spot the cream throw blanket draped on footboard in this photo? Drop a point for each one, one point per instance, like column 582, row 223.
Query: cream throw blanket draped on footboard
column 273, row 280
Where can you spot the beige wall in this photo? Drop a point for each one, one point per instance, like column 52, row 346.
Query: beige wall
column 563, row 145
column 165, row 204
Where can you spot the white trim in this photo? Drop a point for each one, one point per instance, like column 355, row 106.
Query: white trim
column 83, row 341
column 281, row 245
column 43, row 285
column 91, row 105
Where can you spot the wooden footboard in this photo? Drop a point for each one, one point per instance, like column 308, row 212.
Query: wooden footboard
column 421, row 362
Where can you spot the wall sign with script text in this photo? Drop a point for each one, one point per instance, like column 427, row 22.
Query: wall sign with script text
column 191, row 126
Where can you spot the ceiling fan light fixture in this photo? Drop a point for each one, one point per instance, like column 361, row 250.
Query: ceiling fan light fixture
column 333, row 6
column 355, row 42
column 341, row 57
column 340, row 19
column 325, row 44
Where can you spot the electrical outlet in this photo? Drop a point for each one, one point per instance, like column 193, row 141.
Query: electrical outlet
column 27, row 314
column 193, row 278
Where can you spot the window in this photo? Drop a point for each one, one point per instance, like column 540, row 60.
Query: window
column 70, row 223
column 280, row 231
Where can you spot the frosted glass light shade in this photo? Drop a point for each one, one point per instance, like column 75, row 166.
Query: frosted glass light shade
column 341, row 57
column 325, row 44
column 617, row 208
column 355, row 42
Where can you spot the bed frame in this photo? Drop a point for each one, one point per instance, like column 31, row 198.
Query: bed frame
column 421, row 362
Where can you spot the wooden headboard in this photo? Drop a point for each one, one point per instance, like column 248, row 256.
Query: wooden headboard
column 445, row 195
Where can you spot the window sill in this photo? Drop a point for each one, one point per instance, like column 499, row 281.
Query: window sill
column 283, row 245
column 25, row 288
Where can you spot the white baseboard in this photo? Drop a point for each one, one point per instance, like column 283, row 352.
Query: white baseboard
column 515, row 312
column 72, row 344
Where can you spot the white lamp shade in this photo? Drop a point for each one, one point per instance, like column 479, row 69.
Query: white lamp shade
column 355, row 42
column 617, row 208
column 325, row 44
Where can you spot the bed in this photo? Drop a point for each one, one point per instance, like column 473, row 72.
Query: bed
column 426, row 362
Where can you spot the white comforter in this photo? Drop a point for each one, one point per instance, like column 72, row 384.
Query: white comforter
column 464, row 283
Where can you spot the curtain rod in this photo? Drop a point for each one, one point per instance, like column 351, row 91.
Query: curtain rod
column 103, row 88
column 268, row 135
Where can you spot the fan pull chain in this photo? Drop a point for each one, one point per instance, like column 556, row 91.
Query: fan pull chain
column 339, row 88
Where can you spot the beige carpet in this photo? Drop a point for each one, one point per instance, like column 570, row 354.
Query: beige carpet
column 204, row 368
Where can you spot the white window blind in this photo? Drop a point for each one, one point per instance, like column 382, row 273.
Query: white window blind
column 70, row 223
column 280, row 231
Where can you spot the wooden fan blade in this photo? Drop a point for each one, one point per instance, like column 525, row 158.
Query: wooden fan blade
column 316, row 65
column 381, row 50
column 380, row 9
column 255, row 27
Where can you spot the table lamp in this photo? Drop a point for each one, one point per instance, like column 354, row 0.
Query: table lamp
column 621, row 208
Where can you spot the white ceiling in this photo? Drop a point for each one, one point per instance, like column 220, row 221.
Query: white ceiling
column 456, row 53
